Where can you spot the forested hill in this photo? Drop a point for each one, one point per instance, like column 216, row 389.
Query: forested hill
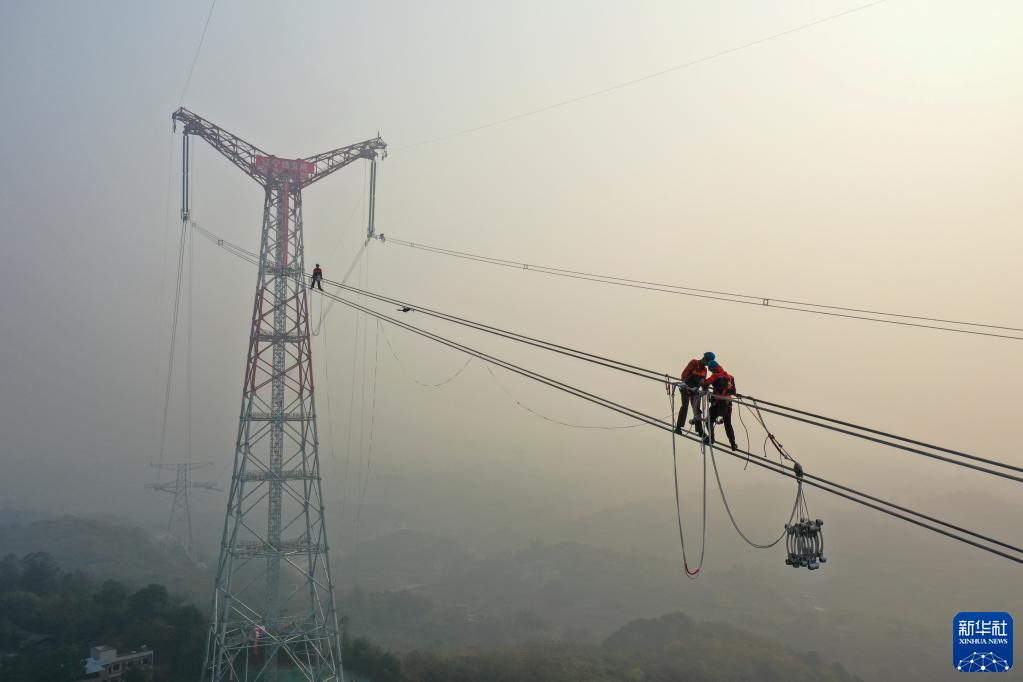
column 666, row 649
column 103, row 547
column 49, row 618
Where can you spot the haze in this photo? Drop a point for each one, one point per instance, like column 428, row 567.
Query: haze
column 871, row 161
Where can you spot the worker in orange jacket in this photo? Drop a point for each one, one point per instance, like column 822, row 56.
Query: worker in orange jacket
column 723, row 385
column 692, row 378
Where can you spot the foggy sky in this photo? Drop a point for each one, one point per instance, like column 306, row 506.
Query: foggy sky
column 871, row 161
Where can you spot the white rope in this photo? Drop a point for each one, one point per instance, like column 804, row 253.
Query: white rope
column 533, row 412
column 724, row 498
column 409, row 374
column 693, row 574
column 735, row 524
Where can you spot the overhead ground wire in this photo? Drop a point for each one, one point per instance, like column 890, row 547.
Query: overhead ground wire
column 731, row 297
column 198, row 49
column 639, row 79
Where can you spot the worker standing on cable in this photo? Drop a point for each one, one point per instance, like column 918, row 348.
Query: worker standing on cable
column 723, row 385
column 692, row 379
column 317, row 278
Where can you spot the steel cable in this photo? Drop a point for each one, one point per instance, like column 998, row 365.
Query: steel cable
column 729, row 297
column 652, row 375
column 846, row 492
column 839, row 490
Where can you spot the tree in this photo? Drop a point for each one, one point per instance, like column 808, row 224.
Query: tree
column 150, row 601
column 112, row 596
column 133, row 675
column 370, row 660
column 10, row 576
column 21, row 608
column 190, row 636
column 39, row 573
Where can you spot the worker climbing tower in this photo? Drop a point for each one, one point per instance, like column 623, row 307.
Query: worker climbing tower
column 273, row 601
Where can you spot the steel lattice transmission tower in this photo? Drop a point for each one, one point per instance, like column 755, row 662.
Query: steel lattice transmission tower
column 179, row 527
column 273, row 601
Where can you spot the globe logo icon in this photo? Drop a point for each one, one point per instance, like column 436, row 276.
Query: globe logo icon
column 983, row 662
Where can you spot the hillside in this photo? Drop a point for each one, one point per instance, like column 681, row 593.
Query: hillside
column 103, row 547
column 672, row 647
column 50, row 617
column 423, row 591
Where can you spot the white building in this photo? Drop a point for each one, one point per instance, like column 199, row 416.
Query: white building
column 103, row 662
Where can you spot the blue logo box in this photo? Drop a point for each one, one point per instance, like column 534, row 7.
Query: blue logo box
column 982, row 642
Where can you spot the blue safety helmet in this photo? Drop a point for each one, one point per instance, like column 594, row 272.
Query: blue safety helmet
column 713, row 365
column 708, row 357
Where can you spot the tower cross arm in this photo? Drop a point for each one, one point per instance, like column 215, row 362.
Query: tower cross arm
column 336, row 159
column 239, row 152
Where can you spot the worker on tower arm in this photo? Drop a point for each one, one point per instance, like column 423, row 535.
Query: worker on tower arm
column 691, row 380
column 317, row 278
column 723, row 386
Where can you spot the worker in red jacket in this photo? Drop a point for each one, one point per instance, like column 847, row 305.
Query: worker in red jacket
column 692, row 378
column 723, row 385
column 317, row 278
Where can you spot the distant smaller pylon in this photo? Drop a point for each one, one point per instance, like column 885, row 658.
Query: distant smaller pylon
column 179, row 526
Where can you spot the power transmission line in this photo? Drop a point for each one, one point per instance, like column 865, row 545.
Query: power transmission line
column 163, row 259
column 565, row 350
column 198, row 49
column 729, row 297
column 920, row 519
column 759, row 401
column 895, row 445
column 659, row 377
column 348, row 273
column 640, row 79
column 173, row 339
column 654, row 375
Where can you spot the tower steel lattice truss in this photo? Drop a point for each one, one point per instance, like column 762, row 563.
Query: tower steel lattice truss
column 179, row 527
column 273, row 602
